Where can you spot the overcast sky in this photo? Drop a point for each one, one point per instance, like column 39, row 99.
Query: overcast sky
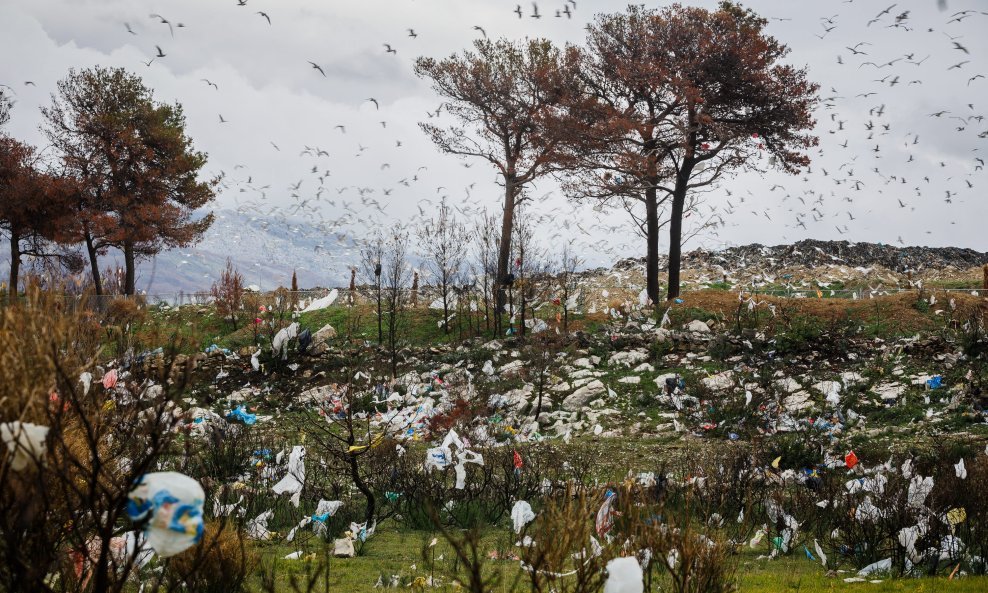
column 270, row 96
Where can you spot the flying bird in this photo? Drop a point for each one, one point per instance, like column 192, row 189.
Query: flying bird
column 389, row 49
column 374, row 101
column 161, row 54
column 265, row 15
column 164, row 21
column 318, row 67
column 481, row 29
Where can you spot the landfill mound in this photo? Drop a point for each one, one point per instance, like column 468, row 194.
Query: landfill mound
column 813, row 253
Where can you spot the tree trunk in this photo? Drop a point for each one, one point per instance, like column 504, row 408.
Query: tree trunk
column 676, row 233
column 652, row 249
column 368, row 494
column 130, row 277
column 380, row 326
column 504, row 250
column 94, row 264
column 15, row 263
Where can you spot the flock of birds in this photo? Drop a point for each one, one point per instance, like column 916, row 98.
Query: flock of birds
column 864, row 160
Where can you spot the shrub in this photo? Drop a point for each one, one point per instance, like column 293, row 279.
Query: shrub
column 220, row 563
column 228, row 294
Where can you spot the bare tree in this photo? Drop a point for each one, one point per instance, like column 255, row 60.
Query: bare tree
column 444, row 240
column 529, row 267
column 395, row 274
column 566, row 281
column 371, row 257
column 485, row 241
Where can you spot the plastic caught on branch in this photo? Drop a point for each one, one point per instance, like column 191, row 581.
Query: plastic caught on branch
column 172, row 505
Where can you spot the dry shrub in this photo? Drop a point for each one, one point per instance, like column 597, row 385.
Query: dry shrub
column 221, row 563
column 37, row 336
column 228, row 294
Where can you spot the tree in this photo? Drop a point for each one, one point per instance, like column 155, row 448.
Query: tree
column 506, row 100
column 485, row 240
column 681, row 97
column 228, row 294
column 567, row 280
column 5, row 105
column 444, row 240
column 138, row 171
column 394, row 277
column 372, row 255
column 32, row 205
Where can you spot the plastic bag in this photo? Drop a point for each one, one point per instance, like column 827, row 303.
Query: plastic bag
column 25, row 442
column 521, row 515
column 172, row 505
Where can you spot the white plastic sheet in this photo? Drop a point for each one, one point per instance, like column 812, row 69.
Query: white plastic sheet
column 25, row 443
column 521, row 515
column 624, row 575
column 295, row 478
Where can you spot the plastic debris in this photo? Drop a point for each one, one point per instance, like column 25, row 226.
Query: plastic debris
column 25, row 443
column 521, row 515
column 624, row 575
column 295, row 478
column 171, row 503
column 240, row 414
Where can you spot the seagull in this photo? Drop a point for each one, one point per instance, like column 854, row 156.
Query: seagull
column 481, row 29
column 412, row 33
column 129, row 30
column 389, row 49
column 265, row 15
column 318, row 67
column 374, row 101
column 161, row 54
column 210, row 83
column 164, row 21
column 223, row 121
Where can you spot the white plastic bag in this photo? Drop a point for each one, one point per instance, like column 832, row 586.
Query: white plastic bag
column 172, row 505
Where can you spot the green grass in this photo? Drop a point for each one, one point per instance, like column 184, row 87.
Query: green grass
column 400, row 552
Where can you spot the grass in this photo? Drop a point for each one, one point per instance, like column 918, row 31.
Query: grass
column 399, row 552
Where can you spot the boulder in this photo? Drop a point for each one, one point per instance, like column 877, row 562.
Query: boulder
column 579, row 398
column 698, row 326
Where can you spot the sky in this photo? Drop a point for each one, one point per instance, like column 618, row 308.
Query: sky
column 912, row 178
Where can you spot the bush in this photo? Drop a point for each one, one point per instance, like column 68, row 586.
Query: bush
column 228, row 294
column 220, row 563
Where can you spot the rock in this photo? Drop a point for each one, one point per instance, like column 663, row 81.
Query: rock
column 889, row 392
column 698, row 326
column 788, row 385
column 511, row 368
column 628, row 358
column 583, row 363
column 797, row 402
column 830, row 390
column 720, row 381
column 644, row 368
column 632, row 380
column 320, row 339
column 581, row 396
column 488, row 368
column 343, row 548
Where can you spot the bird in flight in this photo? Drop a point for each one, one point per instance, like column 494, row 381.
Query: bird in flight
column 164, row 21
column 389, row 49
column 265, row 15
column 161, row 54
column 374, row 101
column 318, row 67
column 129, row 30
column 518, row 11
column 481, row 29
column 412, row 33
column 223, row 121
column 210, row 83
